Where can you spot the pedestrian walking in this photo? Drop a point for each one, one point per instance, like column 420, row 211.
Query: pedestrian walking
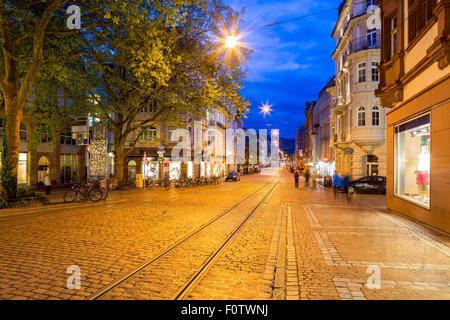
column 346, row 182
column 307, row 176
column 48, row 184
column 336, row 183
column 296, row 177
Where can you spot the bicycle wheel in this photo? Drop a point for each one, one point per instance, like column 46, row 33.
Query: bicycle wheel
column 95, row 195
column 84, row 196
column 70, row 196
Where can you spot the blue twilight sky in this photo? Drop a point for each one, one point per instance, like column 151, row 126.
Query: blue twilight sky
column 291, row 62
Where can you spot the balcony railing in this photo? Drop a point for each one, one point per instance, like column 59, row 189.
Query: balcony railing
column 371, row 41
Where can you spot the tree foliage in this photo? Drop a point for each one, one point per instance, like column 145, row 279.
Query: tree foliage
column 127, row 55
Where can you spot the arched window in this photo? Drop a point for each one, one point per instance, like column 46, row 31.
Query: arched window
column 361, row 117
column 132, row 170
column 375, row 116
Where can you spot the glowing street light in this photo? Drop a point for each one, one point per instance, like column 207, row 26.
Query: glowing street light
column 231, row 42
column 266, row 109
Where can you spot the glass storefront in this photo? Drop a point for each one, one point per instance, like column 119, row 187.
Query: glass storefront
column 190, row 170
column 151, row 170
column 69, row 168
column 412, row 161
column 22, row 169
column 202, row 169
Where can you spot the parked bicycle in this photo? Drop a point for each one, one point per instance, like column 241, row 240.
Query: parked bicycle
column 87, row 191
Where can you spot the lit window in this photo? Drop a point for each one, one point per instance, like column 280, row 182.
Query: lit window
column 412, row 161
column 361, row 117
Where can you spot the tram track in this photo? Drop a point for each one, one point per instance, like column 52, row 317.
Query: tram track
column 193, row 280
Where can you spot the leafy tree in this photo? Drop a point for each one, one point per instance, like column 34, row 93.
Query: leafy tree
column 170, row 62
column 34, row 36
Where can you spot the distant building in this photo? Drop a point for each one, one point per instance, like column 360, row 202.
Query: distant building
column 299, row 144
column 312, row 139
column 358, row 126
column 415, row 87
column 325, row 165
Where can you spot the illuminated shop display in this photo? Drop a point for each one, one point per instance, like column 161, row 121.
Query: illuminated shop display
column 190, row 170
column 174, row 170
column 202, row 169
column 208, row 170
column 151, row 170
column 412, row 161
column 216, row 170
column 22, row 169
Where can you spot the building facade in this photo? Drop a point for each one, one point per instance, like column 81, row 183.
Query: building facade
column 357, row 120
column 299, row 144
column 150, row 151
column 312, row 139
column 415, row 89
column 325, row 165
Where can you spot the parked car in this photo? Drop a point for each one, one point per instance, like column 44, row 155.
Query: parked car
column 369, row 184
column 233, row 176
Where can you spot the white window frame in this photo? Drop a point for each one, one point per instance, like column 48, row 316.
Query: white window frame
column 362, row 72
column 361, row 121
column 375, row 76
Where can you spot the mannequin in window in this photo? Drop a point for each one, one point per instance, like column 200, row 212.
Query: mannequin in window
column 423, row 169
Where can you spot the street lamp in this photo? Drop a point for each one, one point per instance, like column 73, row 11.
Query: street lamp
column 266, row 109
column 231, row 42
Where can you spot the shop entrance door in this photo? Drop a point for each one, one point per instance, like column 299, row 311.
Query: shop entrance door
column 372, row 165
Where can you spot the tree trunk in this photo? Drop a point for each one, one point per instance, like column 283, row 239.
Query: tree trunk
column 13, row 114
column 119, row 161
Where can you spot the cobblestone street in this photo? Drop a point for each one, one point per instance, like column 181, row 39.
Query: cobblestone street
column 259, row 238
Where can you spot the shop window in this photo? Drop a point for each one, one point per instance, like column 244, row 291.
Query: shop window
column 412, row 161
column 375, row 116
column 69, row 167
column 372, row 165
column 174, row 170
column 190, row 170
column 361, row 117
column 22, row 169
